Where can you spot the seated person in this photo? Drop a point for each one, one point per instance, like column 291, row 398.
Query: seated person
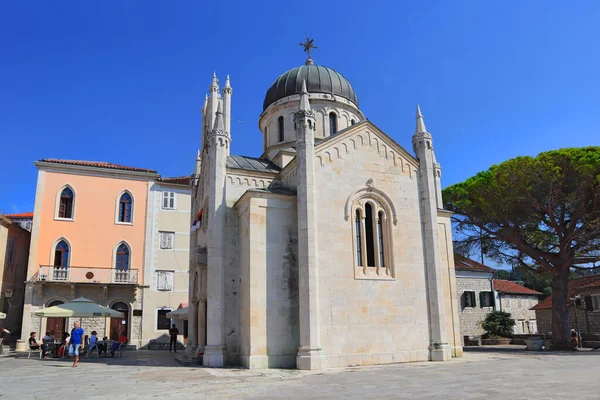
column 33, row 344
column 48, row 340
column 102, row 346
column 93, row 341
column 115, row 345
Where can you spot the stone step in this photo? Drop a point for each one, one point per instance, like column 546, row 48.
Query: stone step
column 188, row 359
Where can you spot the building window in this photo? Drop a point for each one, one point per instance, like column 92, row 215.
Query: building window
column 166, row 240
column 358, row 243
column 332, row 124
column 125, row 207
column 372, row 236
column 122, row 259
column 168, row 202
column 280, row 131
column 162, row 322
column 486, row 299
column 352, row 122
column 164, row 280
column 592, row 303
column 61, row 261
column 28, row 226
column 10, row 252
column 468, row 299
column 65, row 208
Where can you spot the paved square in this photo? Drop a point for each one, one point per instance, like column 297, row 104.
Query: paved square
column 499, row 373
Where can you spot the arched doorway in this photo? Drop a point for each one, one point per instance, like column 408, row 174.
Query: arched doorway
column 120, row 325
column 56, row 326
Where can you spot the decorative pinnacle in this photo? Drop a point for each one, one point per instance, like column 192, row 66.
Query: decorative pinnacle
column 219, row 123
column 227, row 83
column 304, row 103
column 420, row 128
column 215, row 83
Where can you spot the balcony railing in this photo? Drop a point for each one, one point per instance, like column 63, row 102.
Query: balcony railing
column 73, row 274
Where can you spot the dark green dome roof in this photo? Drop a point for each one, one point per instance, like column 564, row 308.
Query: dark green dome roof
column 319, row 79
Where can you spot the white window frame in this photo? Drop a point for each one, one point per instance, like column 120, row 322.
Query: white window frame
column 167, row 273
column 171, row 198
column 57, row 204
column 169, row 240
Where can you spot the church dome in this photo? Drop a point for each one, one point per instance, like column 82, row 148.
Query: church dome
column 319, row 79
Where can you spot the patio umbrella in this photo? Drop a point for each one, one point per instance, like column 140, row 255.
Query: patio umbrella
column 78, row 308
column 182, row 313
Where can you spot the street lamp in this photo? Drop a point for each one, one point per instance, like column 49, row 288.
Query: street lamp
column 577, row 302
column 8, row 294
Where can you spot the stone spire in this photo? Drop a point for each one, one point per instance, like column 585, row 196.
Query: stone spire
column 304, row 103
column 430, row 198
column 227, row 91
column 219, row 125
column 214, row 84
column 420, row 128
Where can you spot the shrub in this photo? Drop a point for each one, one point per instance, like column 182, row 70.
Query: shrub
column 498, row 324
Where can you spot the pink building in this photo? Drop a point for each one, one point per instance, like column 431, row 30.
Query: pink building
column 88, row 240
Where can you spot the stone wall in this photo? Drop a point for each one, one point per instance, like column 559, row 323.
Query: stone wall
column 519, row 306
column 269, row 326
column 587, row 324
column 368, row 319
column 470, row 317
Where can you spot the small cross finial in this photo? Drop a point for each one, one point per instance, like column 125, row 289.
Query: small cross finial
column 308, row 45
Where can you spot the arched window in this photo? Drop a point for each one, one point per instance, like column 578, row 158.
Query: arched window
column 332, row 124
column 61, row 261
column 125, row 208
column 352, row 122
column 357, row 239
column 122, row 260
column 280, row 126
column 65, row 208
column 372, row 238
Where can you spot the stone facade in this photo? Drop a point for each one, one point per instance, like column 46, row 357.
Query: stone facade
column 470, row 317
column 14, row 255
column 278, row 277
column 583, row 319
column 519, row 306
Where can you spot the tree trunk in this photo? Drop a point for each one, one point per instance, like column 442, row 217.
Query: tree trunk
column 560, row 313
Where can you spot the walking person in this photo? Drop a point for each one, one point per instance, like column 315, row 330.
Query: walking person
column 76, row 342
column 173, row 342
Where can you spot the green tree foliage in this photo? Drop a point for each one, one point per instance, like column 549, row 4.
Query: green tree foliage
column 498, row 324
column 539, row 214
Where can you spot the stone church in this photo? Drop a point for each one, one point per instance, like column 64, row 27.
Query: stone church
column 331, row 249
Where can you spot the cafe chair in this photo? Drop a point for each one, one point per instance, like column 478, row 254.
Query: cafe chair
column 92, row 350
column 38, row 350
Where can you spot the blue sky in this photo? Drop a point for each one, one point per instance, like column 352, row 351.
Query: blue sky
column 124, row 81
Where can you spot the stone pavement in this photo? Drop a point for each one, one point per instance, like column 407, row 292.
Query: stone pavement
column 486, row 373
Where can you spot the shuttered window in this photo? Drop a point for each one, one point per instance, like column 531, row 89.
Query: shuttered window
column 468, row 299
column 166, row 240
column 486, row 299
column 164, row 281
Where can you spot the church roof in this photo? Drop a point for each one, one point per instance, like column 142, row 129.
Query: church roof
column 319, row 79
column 252, row 164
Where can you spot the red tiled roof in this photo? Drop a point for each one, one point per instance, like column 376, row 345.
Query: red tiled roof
column 97, row 164
column 574, row 287
column 20, row 215
column 178, row 180
column 504, row 286
column 466, row 264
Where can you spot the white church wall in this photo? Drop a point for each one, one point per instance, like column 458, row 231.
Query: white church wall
column 369, row 321
column 269, row 276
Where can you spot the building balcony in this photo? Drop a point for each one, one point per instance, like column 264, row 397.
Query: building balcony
column 73, row 274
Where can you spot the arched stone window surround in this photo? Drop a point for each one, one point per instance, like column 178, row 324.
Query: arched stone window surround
column 383, row 216
column 53, row 250
column 333, row 116
column 57, row 203
column 117, row 207
column 118, row 275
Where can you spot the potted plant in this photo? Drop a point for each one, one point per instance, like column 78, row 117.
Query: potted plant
column 498, row 327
